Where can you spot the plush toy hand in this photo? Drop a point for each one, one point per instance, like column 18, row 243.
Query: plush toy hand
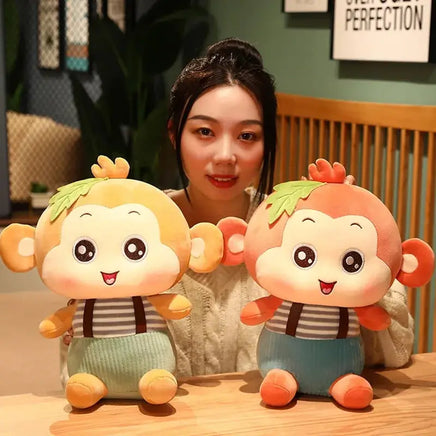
column 58, row 323
column 373, row 317
column 107, row 168
column 260, row 310
column 171, row 306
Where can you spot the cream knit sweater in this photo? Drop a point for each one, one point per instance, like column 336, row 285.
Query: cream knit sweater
column 212, row 338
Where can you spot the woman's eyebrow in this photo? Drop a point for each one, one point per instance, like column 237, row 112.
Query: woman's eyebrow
column 246, row 122
column 202, row 117
column 214, row 120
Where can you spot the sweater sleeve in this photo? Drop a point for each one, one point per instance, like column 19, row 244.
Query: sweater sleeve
column 391, row 347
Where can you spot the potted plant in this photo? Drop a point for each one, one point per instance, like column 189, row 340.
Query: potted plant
column 39, row 195
column 129, row 117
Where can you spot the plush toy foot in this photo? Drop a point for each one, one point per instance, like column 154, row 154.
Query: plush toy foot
column 84, row 390
column 158, row 386
column 352, row 391
column 278, row 388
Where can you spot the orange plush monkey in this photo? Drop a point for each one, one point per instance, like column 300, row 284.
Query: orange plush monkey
column 327, row 251
column 114, row 245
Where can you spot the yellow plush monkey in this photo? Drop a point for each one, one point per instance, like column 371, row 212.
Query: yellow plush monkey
column 114, row 245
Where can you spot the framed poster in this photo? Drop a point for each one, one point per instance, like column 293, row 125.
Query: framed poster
column 77, row 35
column 49, row 54
column 305, row 5
column 384, row 30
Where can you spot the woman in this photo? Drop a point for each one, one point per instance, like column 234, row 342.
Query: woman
column 222, row 125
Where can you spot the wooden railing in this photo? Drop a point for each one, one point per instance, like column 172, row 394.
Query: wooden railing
column 390, row 150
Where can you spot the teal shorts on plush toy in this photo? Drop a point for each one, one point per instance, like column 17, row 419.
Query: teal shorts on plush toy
column 315, row 364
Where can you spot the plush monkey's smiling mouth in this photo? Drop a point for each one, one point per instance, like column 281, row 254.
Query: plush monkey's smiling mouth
column 109, row 278
column 326, row 288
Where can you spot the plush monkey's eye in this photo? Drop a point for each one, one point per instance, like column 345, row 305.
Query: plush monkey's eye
column 352, row 261
column 84, row 250
column 135, row 248
column 304, row 256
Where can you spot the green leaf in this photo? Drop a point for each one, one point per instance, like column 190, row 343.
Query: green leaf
column 14, row 100
column 98, row 133
column 67, row 195
column 159, row 45
column 148, row 140
column 163, row 8
column 286, row 196
column 12, row 33
column 108, row 50
column 193, row 42
column 160, row 42
column 38, row 187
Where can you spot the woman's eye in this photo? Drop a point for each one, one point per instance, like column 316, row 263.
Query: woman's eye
column 352, row 261
column 248, row 136
column 135, row 249
column 304, row 256
column 84, row 250
column 204, row 131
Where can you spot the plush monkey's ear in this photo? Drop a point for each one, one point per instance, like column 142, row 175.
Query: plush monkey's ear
column 206, row 249
column 233, row 230
column 17, row 247
column 418, row 263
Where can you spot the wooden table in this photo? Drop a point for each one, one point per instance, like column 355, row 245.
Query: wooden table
column 404, row 403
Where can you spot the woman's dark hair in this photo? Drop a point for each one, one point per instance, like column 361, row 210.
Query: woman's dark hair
column 227, row 62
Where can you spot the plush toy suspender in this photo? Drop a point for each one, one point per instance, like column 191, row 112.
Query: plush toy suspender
column 294, row 318
column 88, row 314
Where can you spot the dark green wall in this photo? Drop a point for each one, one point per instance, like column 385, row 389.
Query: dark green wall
column 296, row 50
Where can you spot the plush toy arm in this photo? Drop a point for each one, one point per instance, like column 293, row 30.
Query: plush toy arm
column 171, row 306
column 373, row 317
column 58, row 323
column 233, row 230
column 260, row 310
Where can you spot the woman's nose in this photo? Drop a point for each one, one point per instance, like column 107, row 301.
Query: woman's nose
column 225, row 151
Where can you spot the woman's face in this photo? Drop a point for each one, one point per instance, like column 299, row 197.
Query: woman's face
column 222, row 142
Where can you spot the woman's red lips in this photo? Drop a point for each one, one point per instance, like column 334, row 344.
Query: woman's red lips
column 222, row 180
column 326, row 288
column 109, row 278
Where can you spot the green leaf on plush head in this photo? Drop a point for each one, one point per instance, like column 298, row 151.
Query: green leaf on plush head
column 67, row 195
column 286, row 196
